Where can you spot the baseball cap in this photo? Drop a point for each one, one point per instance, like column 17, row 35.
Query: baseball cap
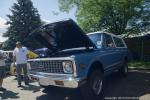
column 18, row 42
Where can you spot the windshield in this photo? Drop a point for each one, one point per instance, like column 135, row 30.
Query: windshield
column 96, row 39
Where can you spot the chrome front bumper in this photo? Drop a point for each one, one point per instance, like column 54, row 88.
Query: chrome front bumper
column 60, row 80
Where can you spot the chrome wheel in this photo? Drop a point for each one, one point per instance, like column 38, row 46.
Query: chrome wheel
column 93, row 89
column 125, row 68
column 97, row 86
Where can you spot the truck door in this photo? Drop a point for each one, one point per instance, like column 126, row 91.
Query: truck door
column 109, row 56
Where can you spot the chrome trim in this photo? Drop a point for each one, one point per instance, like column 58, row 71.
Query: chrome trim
column 49, row 66
column 74, row 68
column 71, row 58
column 68, row 80
column 45, row 59
column 48, row 74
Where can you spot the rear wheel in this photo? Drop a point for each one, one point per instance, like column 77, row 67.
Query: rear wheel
column 92, row 90
column 124, row 69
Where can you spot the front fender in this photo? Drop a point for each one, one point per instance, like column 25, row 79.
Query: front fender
column 87, row 60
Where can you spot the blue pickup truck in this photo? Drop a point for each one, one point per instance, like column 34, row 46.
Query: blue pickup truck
column 77, row 60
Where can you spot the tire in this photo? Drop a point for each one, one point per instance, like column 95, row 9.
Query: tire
column 124, row 69
column 92, row 90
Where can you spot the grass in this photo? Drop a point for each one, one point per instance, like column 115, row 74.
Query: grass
column 139, row 65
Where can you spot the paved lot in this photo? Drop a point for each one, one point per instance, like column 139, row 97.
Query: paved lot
column 135, row 85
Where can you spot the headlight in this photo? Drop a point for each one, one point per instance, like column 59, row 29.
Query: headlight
column 67, row 67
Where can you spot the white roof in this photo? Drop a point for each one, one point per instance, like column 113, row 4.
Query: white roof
column 100, row 32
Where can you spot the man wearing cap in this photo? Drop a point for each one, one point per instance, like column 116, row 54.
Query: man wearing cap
column 20, row 60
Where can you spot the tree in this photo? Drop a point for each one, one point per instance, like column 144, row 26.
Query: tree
column 23, row 20
column 114, row 16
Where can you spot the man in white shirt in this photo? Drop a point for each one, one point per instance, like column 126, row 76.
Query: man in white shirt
column 2, row 70
column 20, row 60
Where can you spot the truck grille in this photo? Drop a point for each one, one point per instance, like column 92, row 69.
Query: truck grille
column 47, row 66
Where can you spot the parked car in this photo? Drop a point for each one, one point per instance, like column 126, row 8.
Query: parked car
column 78, row 60
column 8, row 60
column 2, row 60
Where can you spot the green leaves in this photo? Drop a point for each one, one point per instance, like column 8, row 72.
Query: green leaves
column 111, row 15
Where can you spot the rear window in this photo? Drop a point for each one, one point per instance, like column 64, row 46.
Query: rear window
column 118, row 42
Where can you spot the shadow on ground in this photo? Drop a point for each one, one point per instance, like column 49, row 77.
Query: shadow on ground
column 32, row 88
column 8, row 95
column 136, row 84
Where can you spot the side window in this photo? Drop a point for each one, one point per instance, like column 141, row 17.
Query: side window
column 96, row 39
column 108, row 41
column 118, row 42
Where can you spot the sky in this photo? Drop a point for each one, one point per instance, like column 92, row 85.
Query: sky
column 46, row 8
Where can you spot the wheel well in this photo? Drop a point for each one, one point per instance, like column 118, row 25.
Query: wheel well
column 95, row 66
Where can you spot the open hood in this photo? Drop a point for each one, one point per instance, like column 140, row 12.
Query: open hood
column 62, row 35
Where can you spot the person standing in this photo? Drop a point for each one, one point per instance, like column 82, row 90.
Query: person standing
column 2, row 70
column 20, row 60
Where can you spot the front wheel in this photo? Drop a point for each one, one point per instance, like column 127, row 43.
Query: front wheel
column 92, row 90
